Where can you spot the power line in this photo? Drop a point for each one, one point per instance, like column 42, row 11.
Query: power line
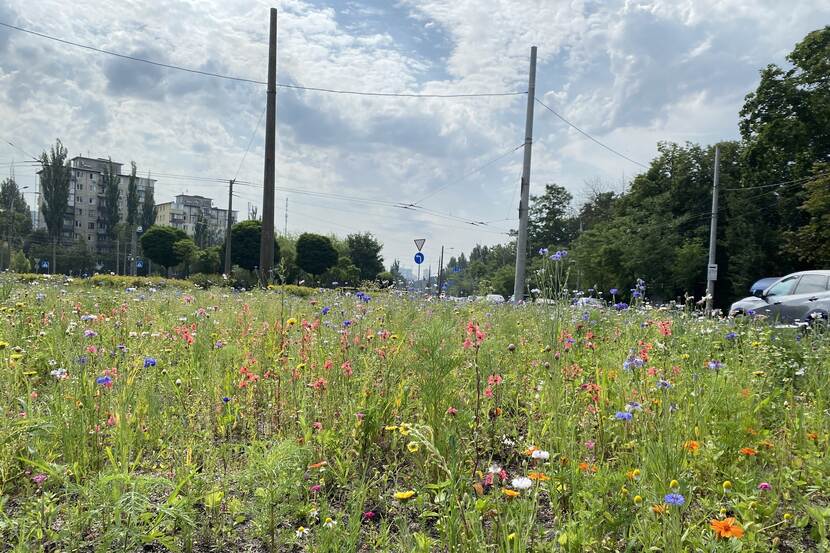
column 466, row 175
column 254, row 81
column 253, row 136
column 786, row 182
column 588, row 136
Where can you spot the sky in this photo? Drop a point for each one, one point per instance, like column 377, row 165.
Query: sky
column 630, row 73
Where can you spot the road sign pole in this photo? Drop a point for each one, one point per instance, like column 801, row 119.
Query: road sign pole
column 712, row 276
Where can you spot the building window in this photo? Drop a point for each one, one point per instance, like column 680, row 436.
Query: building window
column 89, row 238
column 90, row 200
column 80, row 199
column 91, row 226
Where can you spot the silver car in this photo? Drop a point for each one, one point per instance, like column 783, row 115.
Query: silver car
column 801, row 297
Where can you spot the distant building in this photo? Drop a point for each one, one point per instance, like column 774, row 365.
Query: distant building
column 184, row 213
column 84, row 218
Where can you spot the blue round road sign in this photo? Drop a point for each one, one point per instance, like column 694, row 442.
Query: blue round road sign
column 139, row 264
column 419, row 258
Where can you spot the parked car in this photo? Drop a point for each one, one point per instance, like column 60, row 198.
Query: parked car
column 801, row 297
column 762, row 284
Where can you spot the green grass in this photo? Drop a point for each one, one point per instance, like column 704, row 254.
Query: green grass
column 262, row 424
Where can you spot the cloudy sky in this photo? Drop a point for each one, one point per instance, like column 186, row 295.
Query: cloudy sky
column 629, row 72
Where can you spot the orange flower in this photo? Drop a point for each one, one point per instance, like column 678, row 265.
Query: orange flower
column 659, row 508
column 529, row 451
column 510, row 493
column 727, row 528
column 539, row 476
column 766, row 444
column 585, row 467
column 316, row 466
column 691, row 446
column 812, row 436
column 748, row 451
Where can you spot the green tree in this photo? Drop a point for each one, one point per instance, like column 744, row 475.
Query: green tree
column 364, row 251
column 315, row 253
column 132, row 198
column 344, row 272
column 395, row 271
column 201, row 236
column 785, row 125
column 186, row 251
column 811, row 242
column 15, row 220
column 54, row 190
column 112, row 195
column 158, row 245
column 20, row 263
column 208, row 261
column 148, row 209
column 245, row 244
column 549, row 223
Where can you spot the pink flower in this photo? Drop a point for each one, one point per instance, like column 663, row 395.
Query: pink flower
column 764, row 486
column 328, row 364
column 451, row 410
column 494, row 379
column 467, row 344
column 488, row 392
column 39, row 479
column 360, row 416
column 315, row 488
column 369, row 515
column 590, row 444
column 347, row 368
column 317, row 425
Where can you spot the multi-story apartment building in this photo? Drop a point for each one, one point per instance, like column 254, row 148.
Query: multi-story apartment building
column 84, row 219
column 184, row 213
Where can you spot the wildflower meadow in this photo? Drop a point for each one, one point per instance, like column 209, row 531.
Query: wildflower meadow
column 160, row 417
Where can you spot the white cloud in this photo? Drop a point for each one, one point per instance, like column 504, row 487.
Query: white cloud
column 629, row 72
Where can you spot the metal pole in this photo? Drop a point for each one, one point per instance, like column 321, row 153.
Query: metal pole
column 266, row 246
column 228, row 230
column 285, row 230
column 711, row 270
column 521, row 240
column 440, row 272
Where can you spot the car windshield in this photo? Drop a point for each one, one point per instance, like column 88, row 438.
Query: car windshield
column 784, row 287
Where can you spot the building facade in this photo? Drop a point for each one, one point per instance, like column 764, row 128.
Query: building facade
column 185, row 212
column 85, row 215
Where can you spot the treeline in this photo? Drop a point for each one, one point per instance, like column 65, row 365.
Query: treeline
column 773, row 217
column 309, row 258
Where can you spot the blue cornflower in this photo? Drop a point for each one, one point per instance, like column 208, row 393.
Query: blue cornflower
column 674, row 499
column 613, row 291
column 633, row 406
column 623, row 416
column 731, row 336
column 633, row 362
column 585, row 315
column 103, row 380
column 543, row 251
column 621, row 306
column 82, row 360
column 326, row 310
column 225, row 399
column 149, row 362
column 347, row 323
column 663, row 384
column 556, row 256
column 219, row 344
column 714, row 364
column 89, row 333
column 635, row 293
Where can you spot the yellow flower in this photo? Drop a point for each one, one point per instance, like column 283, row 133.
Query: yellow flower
column 3, row 345
column 390, row 428
column 404, row 496
column 510, row 494
column 788, row 516
column 404, row 429
column 291, row 322
column 638, row 500
column 674, row 484
column 412, row 447
column 727, row 485
column 511, row 536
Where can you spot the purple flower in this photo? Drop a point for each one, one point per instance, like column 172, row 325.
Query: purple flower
column 149, row 362
column 674, row 499
column 764, row 486
column 89, row 333
column 731, row 336
column 623, row 416
column 103, row 381
column 219, row 344
column 225, row 399
column 347, row 323
column 39, row 479
column 621, row 306
column 326, row 310
column 663, row 384
column 633, row 406
column 715, row 365
column 543, row 251
column 613, row 291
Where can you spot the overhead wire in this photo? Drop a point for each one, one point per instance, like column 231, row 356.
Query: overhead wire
column 255, row 81
column 588, row 136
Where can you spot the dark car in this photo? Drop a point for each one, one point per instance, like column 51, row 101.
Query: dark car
column 762, row 284
column 802, row 297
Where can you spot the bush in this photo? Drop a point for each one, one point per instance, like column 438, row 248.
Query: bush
column 118, row 281
column 20, row 263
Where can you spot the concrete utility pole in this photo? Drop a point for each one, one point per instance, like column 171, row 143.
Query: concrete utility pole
column 521, row 240
column 266, row 246
column 285, row 229
column 228, row 229
column 712, row 269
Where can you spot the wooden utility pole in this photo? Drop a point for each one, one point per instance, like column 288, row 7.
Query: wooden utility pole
column 266, row 246
column 712, row 269
column 521, row 240
column 228, row 229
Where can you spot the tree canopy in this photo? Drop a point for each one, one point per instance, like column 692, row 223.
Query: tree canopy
column 159, row 243
column 364, row 253
column 245, row 244
column 315, row 253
